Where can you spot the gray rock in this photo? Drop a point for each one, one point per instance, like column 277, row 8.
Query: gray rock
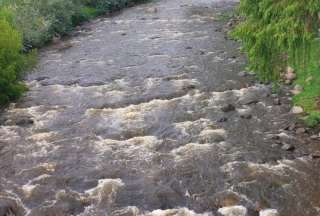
column 283, row 136
column 249, row 98
column 277, row 101
column 301, row 131
column 291, row 127
column 297, row 110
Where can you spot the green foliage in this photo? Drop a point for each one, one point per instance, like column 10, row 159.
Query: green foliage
column 85, row 13
column 103, row 6
column 309, row 79
column 12, row 62
column 277, row 33
column 313, row 119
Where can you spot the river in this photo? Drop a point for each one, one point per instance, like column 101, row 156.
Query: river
column 145, row 113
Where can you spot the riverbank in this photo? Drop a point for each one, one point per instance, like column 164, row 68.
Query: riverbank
column 281, row 42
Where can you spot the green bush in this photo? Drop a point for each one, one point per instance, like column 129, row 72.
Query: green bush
column 85, row 13
column 12, row 63
column 39, row 21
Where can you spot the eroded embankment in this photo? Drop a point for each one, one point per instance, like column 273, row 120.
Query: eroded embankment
column 145, row 114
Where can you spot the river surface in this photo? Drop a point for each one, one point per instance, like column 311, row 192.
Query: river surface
column 145, row 113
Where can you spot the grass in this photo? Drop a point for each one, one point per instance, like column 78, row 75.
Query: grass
column 309, row 79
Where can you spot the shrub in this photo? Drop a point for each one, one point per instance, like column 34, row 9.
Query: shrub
column 28, row 20
column 11, row 63
column 59, row 13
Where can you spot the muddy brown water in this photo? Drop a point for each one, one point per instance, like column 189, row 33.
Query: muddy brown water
column 128, row 121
